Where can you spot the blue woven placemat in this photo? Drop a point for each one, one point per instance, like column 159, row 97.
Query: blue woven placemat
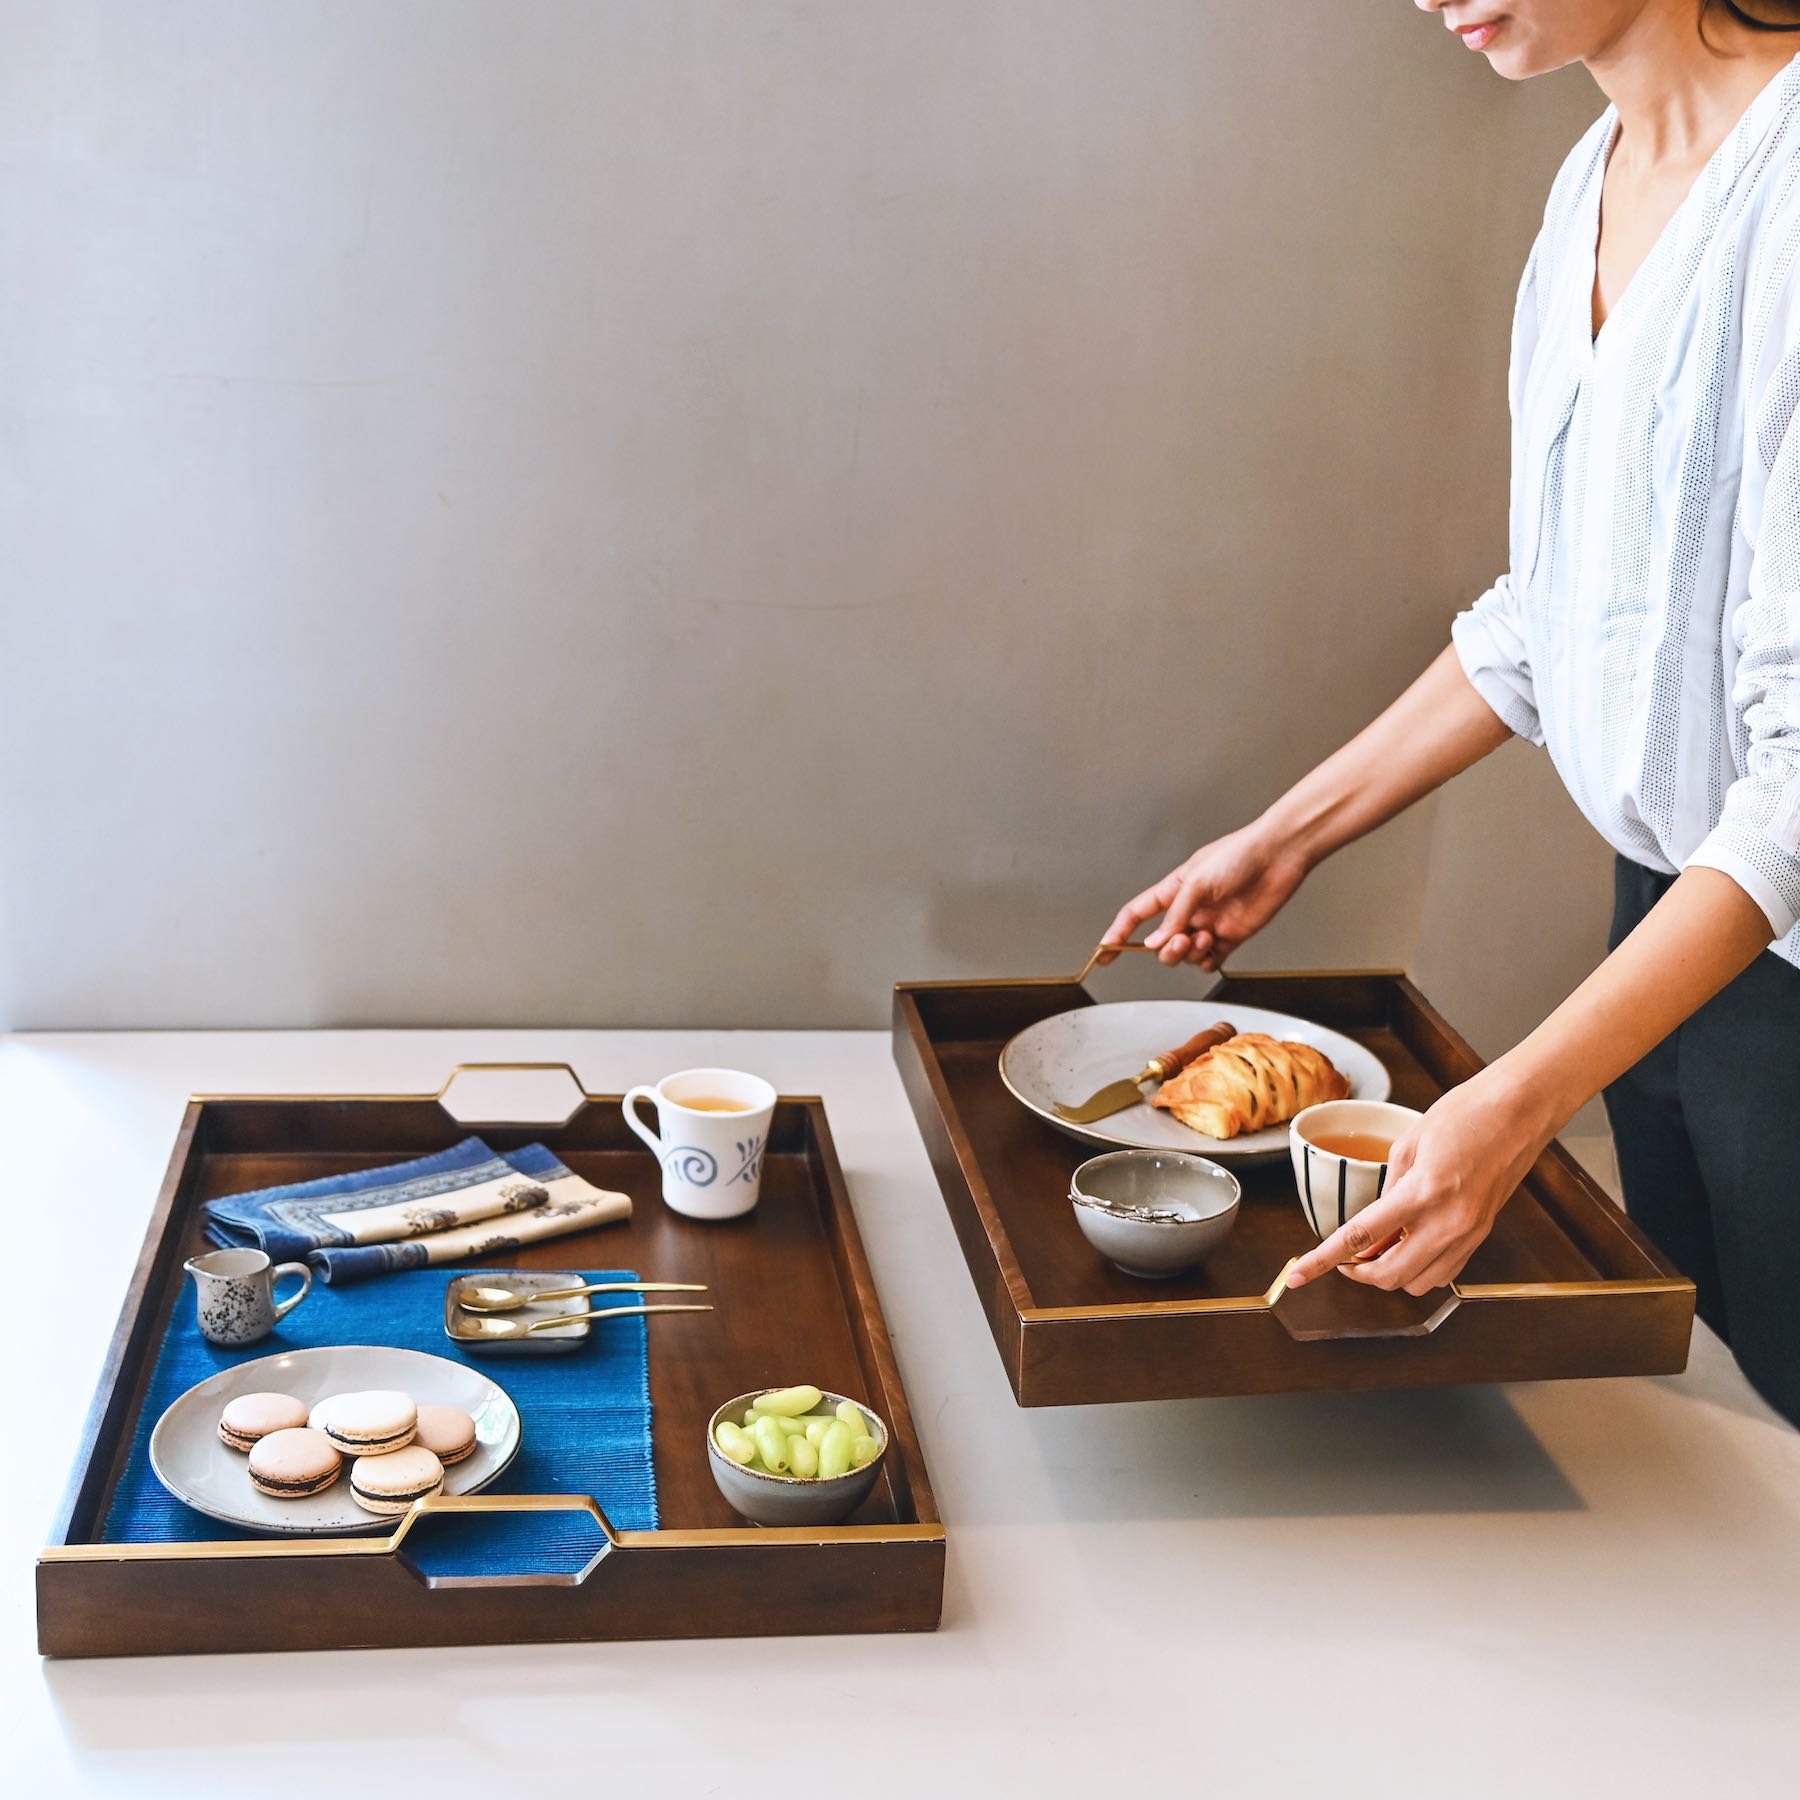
column 585, row 1418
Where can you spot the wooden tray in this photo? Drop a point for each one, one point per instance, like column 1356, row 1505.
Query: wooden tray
column 1565, row 1285
column 796, row 1302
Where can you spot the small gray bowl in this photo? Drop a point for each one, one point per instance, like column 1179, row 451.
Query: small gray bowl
column 766, row 1499
column 1204, row 1194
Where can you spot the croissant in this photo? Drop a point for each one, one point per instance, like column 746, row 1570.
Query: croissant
column 1250, row 1081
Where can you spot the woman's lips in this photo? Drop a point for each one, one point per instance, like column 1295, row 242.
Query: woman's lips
column 1478, row 37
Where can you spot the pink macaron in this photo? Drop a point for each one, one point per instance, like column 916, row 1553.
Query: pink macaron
column 251, row 1417
column 289, row 1465
column 447, row 1432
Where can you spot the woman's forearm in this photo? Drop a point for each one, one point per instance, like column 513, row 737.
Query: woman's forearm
column 1436, row 729
column 1452, row 1172
column 1704, row 931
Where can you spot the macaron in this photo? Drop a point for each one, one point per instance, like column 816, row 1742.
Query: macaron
column 372, row 1423
column 391, row 1483
column 251, row 1417
column 447, row 1432
column 292, row 1463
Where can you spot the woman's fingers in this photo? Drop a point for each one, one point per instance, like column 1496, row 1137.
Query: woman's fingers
column 1132, row 914
column 1172, row 939
column 1445, row 1270
column 1355, row 1238
column 1397, row 1267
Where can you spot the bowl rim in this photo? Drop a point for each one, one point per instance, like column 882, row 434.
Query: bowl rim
column 1094, row 1204
column 812, row 1483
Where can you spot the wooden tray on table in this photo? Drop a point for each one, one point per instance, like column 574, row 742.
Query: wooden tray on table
column 795, row 1302
column 1565, row 1285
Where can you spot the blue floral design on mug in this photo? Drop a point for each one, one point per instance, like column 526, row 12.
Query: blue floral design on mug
column 750, row 1155
column 689, row 1163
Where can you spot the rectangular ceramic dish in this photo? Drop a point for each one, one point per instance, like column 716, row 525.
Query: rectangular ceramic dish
column 795, row 1301
column 1565, row 1286
column 552, row 1340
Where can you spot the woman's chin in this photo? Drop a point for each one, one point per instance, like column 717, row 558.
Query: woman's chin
column 1520, row 62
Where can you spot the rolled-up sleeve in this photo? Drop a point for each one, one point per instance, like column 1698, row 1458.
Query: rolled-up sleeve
column 1757, row 839
column 1490, row 642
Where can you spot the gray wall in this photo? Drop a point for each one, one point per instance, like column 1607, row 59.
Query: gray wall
column 667, row 511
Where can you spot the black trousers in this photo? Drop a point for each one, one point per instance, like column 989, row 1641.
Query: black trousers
column 1707, row 1129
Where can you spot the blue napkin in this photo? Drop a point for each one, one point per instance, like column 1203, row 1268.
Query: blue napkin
column 413, row 1197
column 462, row 1202
column 585, row 1419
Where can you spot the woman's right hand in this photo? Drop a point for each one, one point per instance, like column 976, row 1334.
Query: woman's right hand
column 1224, row 893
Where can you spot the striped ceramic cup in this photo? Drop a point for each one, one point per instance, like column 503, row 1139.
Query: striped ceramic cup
column 1337, row 1183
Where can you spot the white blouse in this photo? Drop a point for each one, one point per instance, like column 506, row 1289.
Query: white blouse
column 1648, row 630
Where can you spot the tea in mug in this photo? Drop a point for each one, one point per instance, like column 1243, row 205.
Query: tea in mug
column 713, row 1103
column 1360, row 1146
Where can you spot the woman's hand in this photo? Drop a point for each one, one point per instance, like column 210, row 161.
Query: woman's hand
column 1225, row 892
column 1448, row 1177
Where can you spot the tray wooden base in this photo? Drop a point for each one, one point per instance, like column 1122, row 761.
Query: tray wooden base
column 1565, row 1286
column 796, row 1302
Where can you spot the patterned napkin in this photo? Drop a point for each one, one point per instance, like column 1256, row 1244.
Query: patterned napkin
column 464, row 1201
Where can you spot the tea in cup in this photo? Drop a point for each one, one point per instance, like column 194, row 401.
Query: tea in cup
column 713, row 1130
column 1341, row 1150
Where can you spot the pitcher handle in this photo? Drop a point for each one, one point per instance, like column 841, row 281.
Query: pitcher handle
column 284, row 1307
column 630, row 1104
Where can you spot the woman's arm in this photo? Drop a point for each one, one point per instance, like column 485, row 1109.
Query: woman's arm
column 1456, row 1168
column 1230, row 888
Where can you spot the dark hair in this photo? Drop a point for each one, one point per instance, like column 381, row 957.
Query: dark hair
column 1745, row 17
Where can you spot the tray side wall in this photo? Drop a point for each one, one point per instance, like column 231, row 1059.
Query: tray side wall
column 952, row 1159
column 1095, row 1362
column 180, row 1607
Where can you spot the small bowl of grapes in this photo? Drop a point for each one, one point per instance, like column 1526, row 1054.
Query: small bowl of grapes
column 795, row 1455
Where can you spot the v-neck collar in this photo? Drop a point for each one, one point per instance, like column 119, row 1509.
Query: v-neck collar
column 1752, row 124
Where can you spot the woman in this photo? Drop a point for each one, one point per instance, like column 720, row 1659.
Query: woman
column 1648, row 633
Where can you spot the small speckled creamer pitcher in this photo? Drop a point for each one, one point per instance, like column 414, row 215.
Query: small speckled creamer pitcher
column 237, row 1294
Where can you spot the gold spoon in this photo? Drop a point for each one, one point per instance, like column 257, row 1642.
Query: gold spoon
column 499, row 1299
column 515, row 1328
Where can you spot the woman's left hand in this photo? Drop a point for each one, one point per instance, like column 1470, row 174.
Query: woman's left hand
column 1448, row 1177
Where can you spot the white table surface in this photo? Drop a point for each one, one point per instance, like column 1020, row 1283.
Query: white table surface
column 1587, row 1587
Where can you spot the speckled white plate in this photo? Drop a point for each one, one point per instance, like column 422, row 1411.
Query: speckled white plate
column 1070, row 1055
column 197, row 1467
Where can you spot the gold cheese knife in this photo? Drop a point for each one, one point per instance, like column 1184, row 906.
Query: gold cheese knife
column 1117, row 1095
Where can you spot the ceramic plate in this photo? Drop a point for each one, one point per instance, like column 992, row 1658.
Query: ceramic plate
column 195, row 1466
column 1067, row 1057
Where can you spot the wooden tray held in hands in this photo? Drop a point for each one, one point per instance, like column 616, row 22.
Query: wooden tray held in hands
column 1564, row 1286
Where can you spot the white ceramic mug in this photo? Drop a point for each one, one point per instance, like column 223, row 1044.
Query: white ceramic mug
column 711, row 1158
column 236, row 1294
column 1334, row 1188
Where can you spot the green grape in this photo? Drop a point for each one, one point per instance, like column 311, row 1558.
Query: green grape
column 803, row 1459
column 859, row 1426
column 736, row 1444
column 771, row 1445
column 790, row 1427
column 815, row 1430
column 863, row 1450
column 834, row 1450
column 790, row 1400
